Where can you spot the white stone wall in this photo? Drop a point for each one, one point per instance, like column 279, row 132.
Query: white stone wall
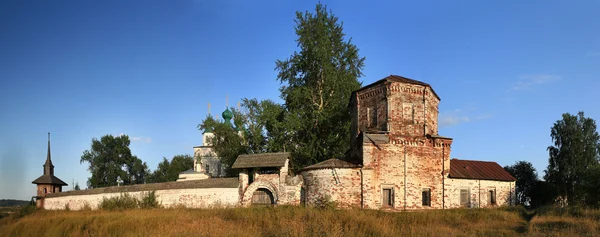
column 190, row 198
column 479, row 192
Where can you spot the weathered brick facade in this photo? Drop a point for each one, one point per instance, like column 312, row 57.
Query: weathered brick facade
column 405, row 163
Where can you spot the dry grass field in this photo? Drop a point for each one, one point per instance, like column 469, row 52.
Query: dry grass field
column 299, row 221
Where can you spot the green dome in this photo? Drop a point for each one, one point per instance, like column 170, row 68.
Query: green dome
column 207, row 130
column 227, row 114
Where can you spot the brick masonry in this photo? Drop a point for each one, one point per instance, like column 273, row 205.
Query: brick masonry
column 415, row 158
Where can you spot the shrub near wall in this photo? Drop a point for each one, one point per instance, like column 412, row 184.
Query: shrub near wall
column 127, row 201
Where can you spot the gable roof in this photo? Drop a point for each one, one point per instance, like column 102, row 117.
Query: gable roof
column 331, row 163
column 396, row 78
column 49, row 179
column 473, row 169
column 261, row 160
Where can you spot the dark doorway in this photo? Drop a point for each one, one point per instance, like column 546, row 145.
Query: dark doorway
column 262, row 197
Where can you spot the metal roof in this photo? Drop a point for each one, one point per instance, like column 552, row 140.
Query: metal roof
column 331, row 163
column 473, row 169
column 261, row 160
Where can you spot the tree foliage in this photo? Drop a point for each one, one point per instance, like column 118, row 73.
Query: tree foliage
column 169, row 171
column 227, row 141
column 317, row 82
column 574, row 156
column 248, row 131
column 527, row 178
column 316, row 86
column 110, row 161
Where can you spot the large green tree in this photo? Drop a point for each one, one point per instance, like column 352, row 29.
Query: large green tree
column 527, row 178
column 573, row 155
column 110, row 162
column 168, row 171
column 316, row 86
column 317, row 81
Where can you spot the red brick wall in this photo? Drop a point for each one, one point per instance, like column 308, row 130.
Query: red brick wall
column 408, row 165
column 401, row 108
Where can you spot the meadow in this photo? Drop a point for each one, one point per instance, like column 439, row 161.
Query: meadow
column 301, row 221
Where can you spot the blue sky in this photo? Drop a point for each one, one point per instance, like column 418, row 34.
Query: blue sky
column 505, row 70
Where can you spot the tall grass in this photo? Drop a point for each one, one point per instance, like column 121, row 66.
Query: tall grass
column 278, row 221
column 571, row 221
column 300, row 221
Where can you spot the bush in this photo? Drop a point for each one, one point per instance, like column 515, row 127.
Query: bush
column 86, row 207
column 121, row 202
column 149, row 200
column 127, row 201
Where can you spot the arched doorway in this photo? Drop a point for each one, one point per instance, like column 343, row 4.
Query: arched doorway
column 262, row 197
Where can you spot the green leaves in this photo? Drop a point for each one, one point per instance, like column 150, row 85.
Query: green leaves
column 526, row 180
column 575, row 152
column 110, row 161
column 169, row 171
column 317, row 82
column 316, row 86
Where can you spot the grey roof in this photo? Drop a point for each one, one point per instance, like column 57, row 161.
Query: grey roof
column 376, row 138
column 49, row 179
column 331, row 163
column 202, row 183
column 261, row 160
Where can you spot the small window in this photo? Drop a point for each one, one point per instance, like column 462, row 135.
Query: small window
column 388, row 197
column 426, row 197
column 492, row 195
column 45, row 190
column 464, row 198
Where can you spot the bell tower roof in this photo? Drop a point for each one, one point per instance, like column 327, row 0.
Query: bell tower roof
column 48, row 177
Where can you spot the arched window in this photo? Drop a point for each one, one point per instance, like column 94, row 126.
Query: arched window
column 45, row 190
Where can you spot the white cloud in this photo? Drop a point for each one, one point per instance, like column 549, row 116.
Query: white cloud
column 527, row 82
column 457, row 116
column 449, row 120
column 139, row 139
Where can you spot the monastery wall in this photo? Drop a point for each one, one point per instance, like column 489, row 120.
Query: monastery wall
column 214, row 192
column 190, row 198
column 342, row 186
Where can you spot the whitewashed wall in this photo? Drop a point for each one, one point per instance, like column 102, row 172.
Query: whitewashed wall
column 478, row 192
column 190, row 198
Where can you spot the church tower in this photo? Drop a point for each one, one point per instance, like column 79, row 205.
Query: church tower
column 47, row 183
